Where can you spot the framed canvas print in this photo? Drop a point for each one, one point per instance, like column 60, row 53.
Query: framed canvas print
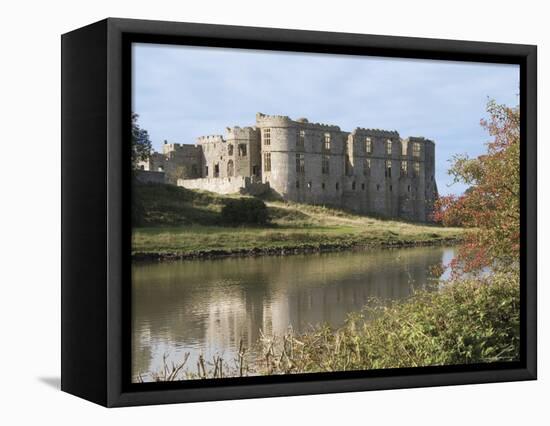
column 253, row 212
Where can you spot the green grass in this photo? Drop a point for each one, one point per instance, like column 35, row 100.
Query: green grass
column 182, row 221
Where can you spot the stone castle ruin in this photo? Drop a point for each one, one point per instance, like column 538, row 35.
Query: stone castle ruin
column 368, row 171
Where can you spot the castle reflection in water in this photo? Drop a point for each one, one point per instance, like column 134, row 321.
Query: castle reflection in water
column 208, row 306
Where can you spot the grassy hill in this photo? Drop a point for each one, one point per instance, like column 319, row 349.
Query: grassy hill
column 178, row 222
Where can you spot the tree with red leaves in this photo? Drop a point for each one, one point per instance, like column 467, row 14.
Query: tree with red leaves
column 489, row 208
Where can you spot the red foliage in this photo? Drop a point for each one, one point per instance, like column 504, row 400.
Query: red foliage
column 490, row 206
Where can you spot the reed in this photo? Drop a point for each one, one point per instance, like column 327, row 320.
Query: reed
column 473, row 320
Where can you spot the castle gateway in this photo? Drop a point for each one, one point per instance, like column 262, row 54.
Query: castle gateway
column 368, row 171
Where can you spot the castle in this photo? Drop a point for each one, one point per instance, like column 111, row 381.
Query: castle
column 367, row 171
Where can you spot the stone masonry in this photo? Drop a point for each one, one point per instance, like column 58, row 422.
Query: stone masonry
column 368, row 171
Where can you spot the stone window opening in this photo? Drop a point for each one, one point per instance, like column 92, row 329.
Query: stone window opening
column 323, row 186
column 325, row 165
column 388, row 146
column 300, row 139
column 309, row 185
column 366, row 167
column 160, row 168
column 416, row 168
column 408, row 188
column 416, row 149
column 388, row 169
column 216, row 170
column 391, row 188
column 353, row 186
column 347, row 166
column 326, row 142
column 206, row 171
column 242, row 150
column 300, row 164
column 267, row 136
column 362, row 186
column 368, row 146
column 230, row 149
column 337, row 186
column 378, row 187
column 267, row 162
column 404, row 167
column 297, row 184
column 230, row 168
column 142, row 167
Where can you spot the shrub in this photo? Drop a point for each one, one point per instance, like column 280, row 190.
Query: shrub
column 473, row 320
column 469, row 321
column 245, row 211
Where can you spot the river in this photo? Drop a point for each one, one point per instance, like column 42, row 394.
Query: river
column 208, row 306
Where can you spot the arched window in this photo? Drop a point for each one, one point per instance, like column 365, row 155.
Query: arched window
column 230, row 168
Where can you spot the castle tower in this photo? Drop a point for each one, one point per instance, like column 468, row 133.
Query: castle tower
column 244, row 146
column 302, row 161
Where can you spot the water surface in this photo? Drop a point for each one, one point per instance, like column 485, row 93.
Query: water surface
column 208, row 306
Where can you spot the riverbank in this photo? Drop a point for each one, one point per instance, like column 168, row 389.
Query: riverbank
column 287, row 250
column 183, row 224
column 467, row 321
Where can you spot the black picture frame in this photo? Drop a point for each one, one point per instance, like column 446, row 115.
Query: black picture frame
column 96, row 88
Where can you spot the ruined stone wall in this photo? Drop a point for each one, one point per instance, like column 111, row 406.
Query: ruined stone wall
column 246, row 152
column 182, row 161
column 176, row 161
column 369, row 171
column 226, row 185
column 147, row 176
column 214, row 152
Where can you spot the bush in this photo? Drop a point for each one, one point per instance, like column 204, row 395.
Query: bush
column 245, row 211
column 468, row 321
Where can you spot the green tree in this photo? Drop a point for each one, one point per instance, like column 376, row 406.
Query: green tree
column 141, row 143
column 490, row 206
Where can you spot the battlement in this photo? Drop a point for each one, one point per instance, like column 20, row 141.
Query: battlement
column 420, row 139
column 361, row 131
column 264, row 120
column 210, row 139
column 237, row 132
column 320, row 126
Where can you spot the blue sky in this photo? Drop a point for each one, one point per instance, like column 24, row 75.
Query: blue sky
column 183, row 92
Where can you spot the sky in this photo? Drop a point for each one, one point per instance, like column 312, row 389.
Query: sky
column 182, row 92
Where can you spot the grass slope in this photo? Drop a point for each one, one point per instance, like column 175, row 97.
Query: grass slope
column 186, row 222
